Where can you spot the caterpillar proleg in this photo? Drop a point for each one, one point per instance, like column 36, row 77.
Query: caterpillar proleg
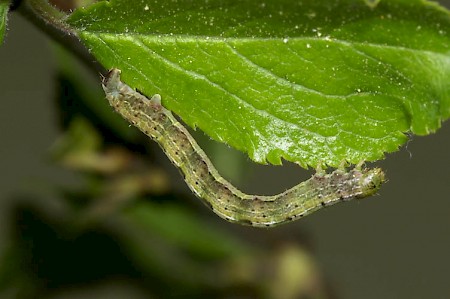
column 321, row 190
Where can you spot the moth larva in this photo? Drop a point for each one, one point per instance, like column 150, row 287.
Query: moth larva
column 321, row 190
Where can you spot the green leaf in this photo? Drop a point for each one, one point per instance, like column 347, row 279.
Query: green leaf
column 4, row 6
column 313, row 82
column 165, row 220
column 83, row 97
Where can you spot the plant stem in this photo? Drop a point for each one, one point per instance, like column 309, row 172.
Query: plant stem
column 48, row 13
column 50, row 20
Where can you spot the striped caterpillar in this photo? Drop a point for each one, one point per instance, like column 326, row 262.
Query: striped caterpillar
column 321, row 190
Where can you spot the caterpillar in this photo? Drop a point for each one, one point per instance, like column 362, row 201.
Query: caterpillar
column 321, row 190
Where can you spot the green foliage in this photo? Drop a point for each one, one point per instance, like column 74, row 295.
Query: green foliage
column 4, row 5
column 166, row 221
column 314, row 82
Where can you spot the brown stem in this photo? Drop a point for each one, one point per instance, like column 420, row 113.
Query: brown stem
column 51, row 21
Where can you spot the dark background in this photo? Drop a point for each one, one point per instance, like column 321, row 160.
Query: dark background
column 395, row 245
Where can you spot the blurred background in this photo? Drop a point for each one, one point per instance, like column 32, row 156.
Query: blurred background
column 90, row 209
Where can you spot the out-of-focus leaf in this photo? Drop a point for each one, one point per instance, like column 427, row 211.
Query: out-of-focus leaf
column 4, row 5
column 80, row 93
column 184, row 230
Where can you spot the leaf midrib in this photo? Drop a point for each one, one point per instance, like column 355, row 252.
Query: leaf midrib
column 211, row 39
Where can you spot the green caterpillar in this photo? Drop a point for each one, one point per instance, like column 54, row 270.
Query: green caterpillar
column 321, row 190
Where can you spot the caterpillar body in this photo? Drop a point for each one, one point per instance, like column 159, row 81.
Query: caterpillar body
column 321, row 190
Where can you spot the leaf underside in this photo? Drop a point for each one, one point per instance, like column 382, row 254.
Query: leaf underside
column 313, row 82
